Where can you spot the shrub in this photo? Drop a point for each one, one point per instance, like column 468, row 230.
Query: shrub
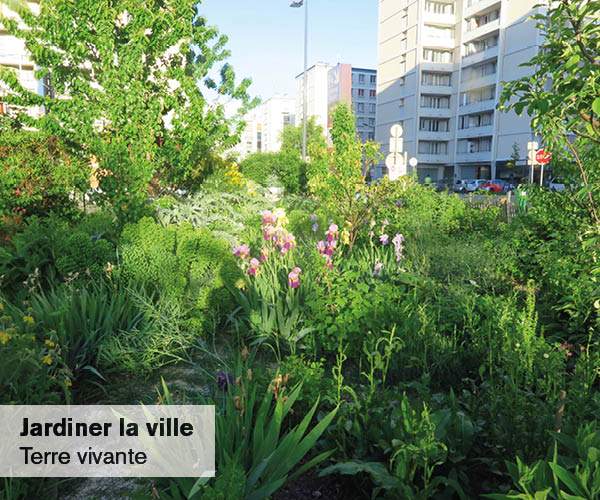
column 286, row 167
column 180, row 263
column 38, row 174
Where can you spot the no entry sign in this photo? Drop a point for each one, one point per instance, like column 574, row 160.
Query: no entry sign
column 543, row 157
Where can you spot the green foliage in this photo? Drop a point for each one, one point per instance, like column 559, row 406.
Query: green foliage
column 285, row 167
column 572, row 474
column 180, row 263
column 254, row 441
column 39, row 174
column 140, row 79
column 47, row 250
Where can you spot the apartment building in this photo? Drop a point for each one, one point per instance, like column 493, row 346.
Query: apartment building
column 264, row 126
column 317, row 79
column 357, row 87
column 440, row 70
column 14, row 55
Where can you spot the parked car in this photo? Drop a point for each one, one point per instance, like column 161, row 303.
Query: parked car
column 475, row 184
column 557, row 184
column 497, row 186
column 460, row 185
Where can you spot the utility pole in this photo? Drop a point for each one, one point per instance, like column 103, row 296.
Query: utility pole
column 297, row 4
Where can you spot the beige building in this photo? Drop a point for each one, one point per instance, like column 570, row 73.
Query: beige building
column 317, row 78
column 264, row 126
column 14, row 55
column 440, row 71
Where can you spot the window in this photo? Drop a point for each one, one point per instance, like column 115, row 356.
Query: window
column 371, row 136
column 435, row 101
column 436, row 79
column 478, row 46
column 361, row 92
column 433, row 147
column 478, row 21
column 476, row 120
column 287, row 118
column 439, row 7
column 401, row 102
column 434, row 125
column 478, row 95
column 439, row 33
column 437, row 55
column 360, row 107
column 361, row 78
column 480, row 70
column 371, row 122
column 373, row 79
column 372, row 108
column 476, row 145
column 372, row 94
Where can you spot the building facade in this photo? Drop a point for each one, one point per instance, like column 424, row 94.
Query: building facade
column 441, row 67
column 317, row 79
column 14, row 55
column 264, row 126
column 356, row 87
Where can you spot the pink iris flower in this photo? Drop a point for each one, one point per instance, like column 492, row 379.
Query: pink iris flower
column 254, row 265
column 242, row 251
column 384, row 238
column 268, row 217
column 294, row 277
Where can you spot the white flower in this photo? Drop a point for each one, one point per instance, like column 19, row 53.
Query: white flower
column 123, row 19
column 148, row 31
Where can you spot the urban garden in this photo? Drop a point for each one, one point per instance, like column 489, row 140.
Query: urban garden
column 360, row 338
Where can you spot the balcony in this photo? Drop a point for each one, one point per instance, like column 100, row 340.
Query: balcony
column 478, row 57
column 474, row 132
column 481, row 81
column 442, row 67
column 476, row 6
column 481, row 31
column 439, row 42
column 478, row 157
column 437, row 159
column 441, row 19
column 436, row 89
column 437, row 112
column 477, row 107
column 426, row 135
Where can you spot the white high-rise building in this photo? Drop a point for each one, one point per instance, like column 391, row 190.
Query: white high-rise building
column 14, row 55
column 440, row 71
column 264, row 126
column 317, row 94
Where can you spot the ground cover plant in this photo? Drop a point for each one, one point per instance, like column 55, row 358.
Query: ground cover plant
column 359, row 338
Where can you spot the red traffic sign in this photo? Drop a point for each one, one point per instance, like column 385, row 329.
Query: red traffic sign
column 543, row 157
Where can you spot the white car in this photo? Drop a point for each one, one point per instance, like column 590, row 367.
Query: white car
column 475, row 184
column 557, row 185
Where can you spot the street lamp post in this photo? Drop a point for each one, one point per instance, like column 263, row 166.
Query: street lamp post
column 297, row 4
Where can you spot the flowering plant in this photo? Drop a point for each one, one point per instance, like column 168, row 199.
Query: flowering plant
column 274, row 289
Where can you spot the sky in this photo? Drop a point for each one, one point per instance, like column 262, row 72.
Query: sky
column 266, row 38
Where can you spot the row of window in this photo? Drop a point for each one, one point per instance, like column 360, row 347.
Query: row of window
column 478, row 46
column 360, row 107
column 439, row 7
column 479, row 70
column 479, row 145
column 464, row 122
column 438, row 55
column 478, row 95
column 362, row 78
column 363, row 121
column 435, row 101
column 362, row 93
column 439, row 32
column 483, row 19
column 436, row 79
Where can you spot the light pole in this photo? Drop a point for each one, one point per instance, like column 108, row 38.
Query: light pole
column 297, row 4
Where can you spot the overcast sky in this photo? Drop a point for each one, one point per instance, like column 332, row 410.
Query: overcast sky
column 266, row 37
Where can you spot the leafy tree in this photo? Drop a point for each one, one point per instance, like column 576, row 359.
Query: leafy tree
column 562, row 94
column 291, row 139
column 137, row 85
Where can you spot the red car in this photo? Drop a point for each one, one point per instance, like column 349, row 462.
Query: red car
column 497, row 186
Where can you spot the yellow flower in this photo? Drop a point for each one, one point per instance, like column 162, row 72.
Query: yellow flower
column 49, row 343
column 68, row 382
column 240, row 284
column 345, row 236
column 4, row 338
column 47, row 359
column 28, row 320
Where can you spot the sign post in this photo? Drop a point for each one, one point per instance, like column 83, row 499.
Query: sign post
column 397, row 160
column 543, row 157
column 531, row 157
